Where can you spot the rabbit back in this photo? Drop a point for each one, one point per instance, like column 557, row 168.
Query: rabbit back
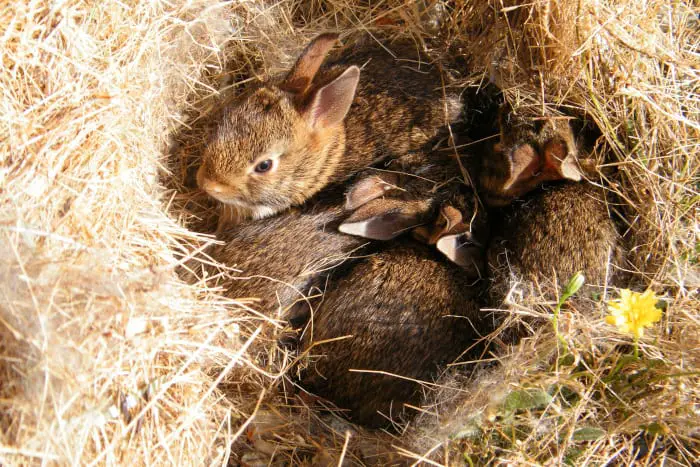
column 407, row 314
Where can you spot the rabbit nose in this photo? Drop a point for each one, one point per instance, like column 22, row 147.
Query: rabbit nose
column 213, row 187
column 208, row 185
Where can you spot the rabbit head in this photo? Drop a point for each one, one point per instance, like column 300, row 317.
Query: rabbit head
column 422, row 194
column 526, row 157
column 274, row 145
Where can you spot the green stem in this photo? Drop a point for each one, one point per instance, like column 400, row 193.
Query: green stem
column 575, row 283
column 555, row 324
column 636, row 347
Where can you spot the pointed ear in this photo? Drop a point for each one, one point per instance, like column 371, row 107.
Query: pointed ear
column 452, row 217
column 384, row 219
column 461, row 250
column 302, row 73
column 368, row 188
column 559, row 161
column 524, row 164
column 449, row 221
column 331, row 103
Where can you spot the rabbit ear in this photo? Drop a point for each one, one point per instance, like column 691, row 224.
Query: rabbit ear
column 463, row 251
column 449, row 222
column 369, row 188
column 524, row 165
column 558, row 160
column 529, row 167
column 384, row 219
column 331, row 103
column 453, row 238
column 300, row 77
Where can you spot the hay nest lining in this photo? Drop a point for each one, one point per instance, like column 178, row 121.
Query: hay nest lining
column 108, row 356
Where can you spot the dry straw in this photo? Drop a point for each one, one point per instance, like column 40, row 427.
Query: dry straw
column 107, row 356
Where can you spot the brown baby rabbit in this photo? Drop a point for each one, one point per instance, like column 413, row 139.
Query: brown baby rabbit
column 285, row 140
column 284, row 259
column 405, row 313
column 553, row 231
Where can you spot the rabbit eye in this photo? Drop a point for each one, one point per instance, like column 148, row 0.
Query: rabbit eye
column 264, row 166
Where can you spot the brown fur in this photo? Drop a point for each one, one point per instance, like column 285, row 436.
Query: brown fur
column 426, row 196
column 554, row 233
column 529, row 153
column 410, row 188
column 283, row 258
column 408, row 313
column 548, row 235
column 398, row 107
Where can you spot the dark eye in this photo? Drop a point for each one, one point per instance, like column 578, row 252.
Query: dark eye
column 264, row 166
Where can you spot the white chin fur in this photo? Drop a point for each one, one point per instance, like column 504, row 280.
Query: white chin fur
column 260, row 212
column 254, row 211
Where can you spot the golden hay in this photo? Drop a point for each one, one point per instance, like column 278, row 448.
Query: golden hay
column 107, row 356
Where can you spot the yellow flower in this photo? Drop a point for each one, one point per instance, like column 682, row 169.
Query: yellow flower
column 634, row 311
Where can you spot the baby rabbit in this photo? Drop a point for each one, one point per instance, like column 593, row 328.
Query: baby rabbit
column 283, row 258
column 409, row 311
column 406, row 313
column 530, row 153
column 286, row 139
column 553, row 231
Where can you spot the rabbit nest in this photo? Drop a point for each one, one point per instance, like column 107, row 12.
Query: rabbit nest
column 108, row 356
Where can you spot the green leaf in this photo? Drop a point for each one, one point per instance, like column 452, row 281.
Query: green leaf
column 574, row 285
column 588, row 433
column 567, row 360
column 469, row 429
column 526, row 399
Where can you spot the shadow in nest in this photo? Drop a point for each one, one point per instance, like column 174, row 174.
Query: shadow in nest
column 198, row 211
